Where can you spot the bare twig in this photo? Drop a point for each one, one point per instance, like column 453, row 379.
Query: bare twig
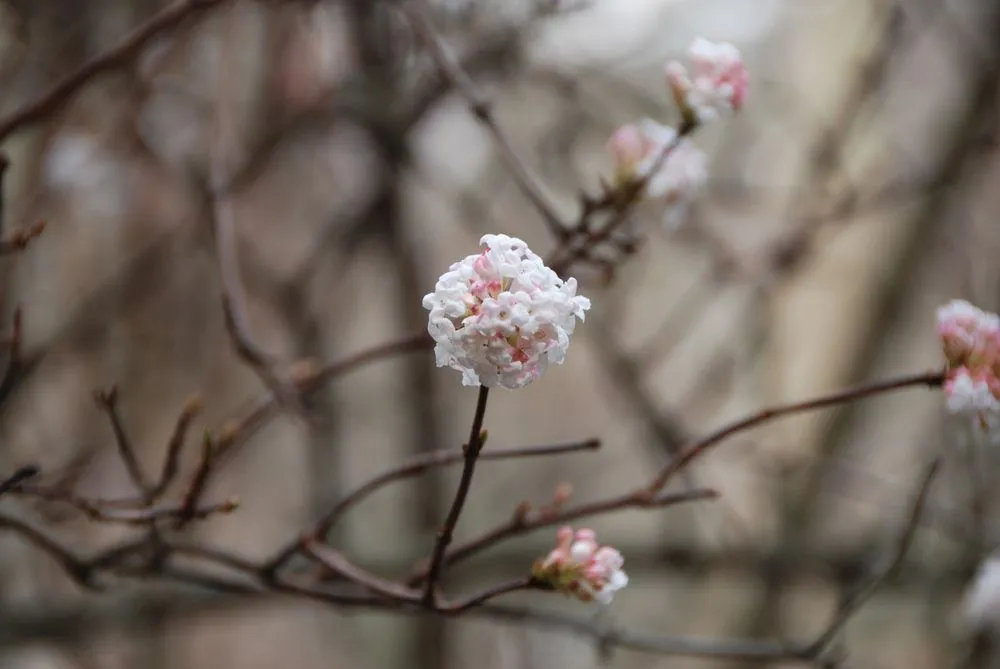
column 18, row 241
column 522, row 523
column 171, row 461
column 236, row 432
column 929, row 379
column 472, row 449
column 482, row 109
column 149, row 516
column 198, row 483
column 337, row 563
column 107, row 400
column 480, row 598
column 858, row 599
column 412, row 467
column 234, row 298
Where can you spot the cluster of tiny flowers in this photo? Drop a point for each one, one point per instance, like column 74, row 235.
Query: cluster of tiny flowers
column 970, row 338
column 680, row 175
column 716, row 85
column 676, row 170
column 501, row 316
column 580, row 567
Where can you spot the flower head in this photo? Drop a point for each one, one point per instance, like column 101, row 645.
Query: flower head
column 970, row 339
column 679, row 176
column 501, row 316
column 581, row 567
column 969, row 335
column 717, row 83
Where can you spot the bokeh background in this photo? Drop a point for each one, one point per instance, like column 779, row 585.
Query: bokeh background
column 855, row 193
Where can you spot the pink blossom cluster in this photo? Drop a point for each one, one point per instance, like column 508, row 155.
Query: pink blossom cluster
column 717, row 84
column 640, row 148
column 970, row 338
column 675, row 168
column 501, row 316
column 580, row 567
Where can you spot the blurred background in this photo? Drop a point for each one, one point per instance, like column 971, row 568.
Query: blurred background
column 855, row 193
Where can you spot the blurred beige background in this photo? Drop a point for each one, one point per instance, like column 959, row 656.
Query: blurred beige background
column 868, row 145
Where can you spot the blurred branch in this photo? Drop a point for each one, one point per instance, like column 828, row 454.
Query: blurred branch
column 108, row 402
column 20, row 476
column 856, row 601
column 18, row 241
column 523, row 521
column 482, row 109
column 117, row 56
column 697, row 448
column 234, row 298
column 413, row 467
column 15, row 365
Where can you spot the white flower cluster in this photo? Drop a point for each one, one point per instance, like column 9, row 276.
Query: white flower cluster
column 501, row 316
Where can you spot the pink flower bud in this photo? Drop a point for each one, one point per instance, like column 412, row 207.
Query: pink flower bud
column 627, row 146
column 970, row 340
column 680, row 173
column 580, row 567
column 718, row 82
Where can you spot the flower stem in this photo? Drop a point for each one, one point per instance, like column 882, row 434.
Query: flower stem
column 445, row 533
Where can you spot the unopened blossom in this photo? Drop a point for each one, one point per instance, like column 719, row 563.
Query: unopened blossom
column 580, row 567
column 677, row 169
column 970, row 336
column 717, row 83
column 501, row 316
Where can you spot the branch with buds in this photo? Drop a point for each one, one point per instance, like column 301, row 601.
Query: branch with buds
column 502, row 317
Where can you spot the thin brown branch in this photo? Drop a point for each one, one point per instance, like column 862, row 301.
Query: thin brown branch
column 482, row 109
column 126, row 511
column 171, row 462
column 697, row 448
column 79, row 569
column 19, row 477
column 476, row 438
column 234, row 298
column 19, row 240
column 236, row 432
column 12, row 370
column 117, row 56
column 338, row 564
column 414, row 466
column 198, row 482
column 523, row 521
column 480, row 598
column 107, row 401
column 851, row 605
